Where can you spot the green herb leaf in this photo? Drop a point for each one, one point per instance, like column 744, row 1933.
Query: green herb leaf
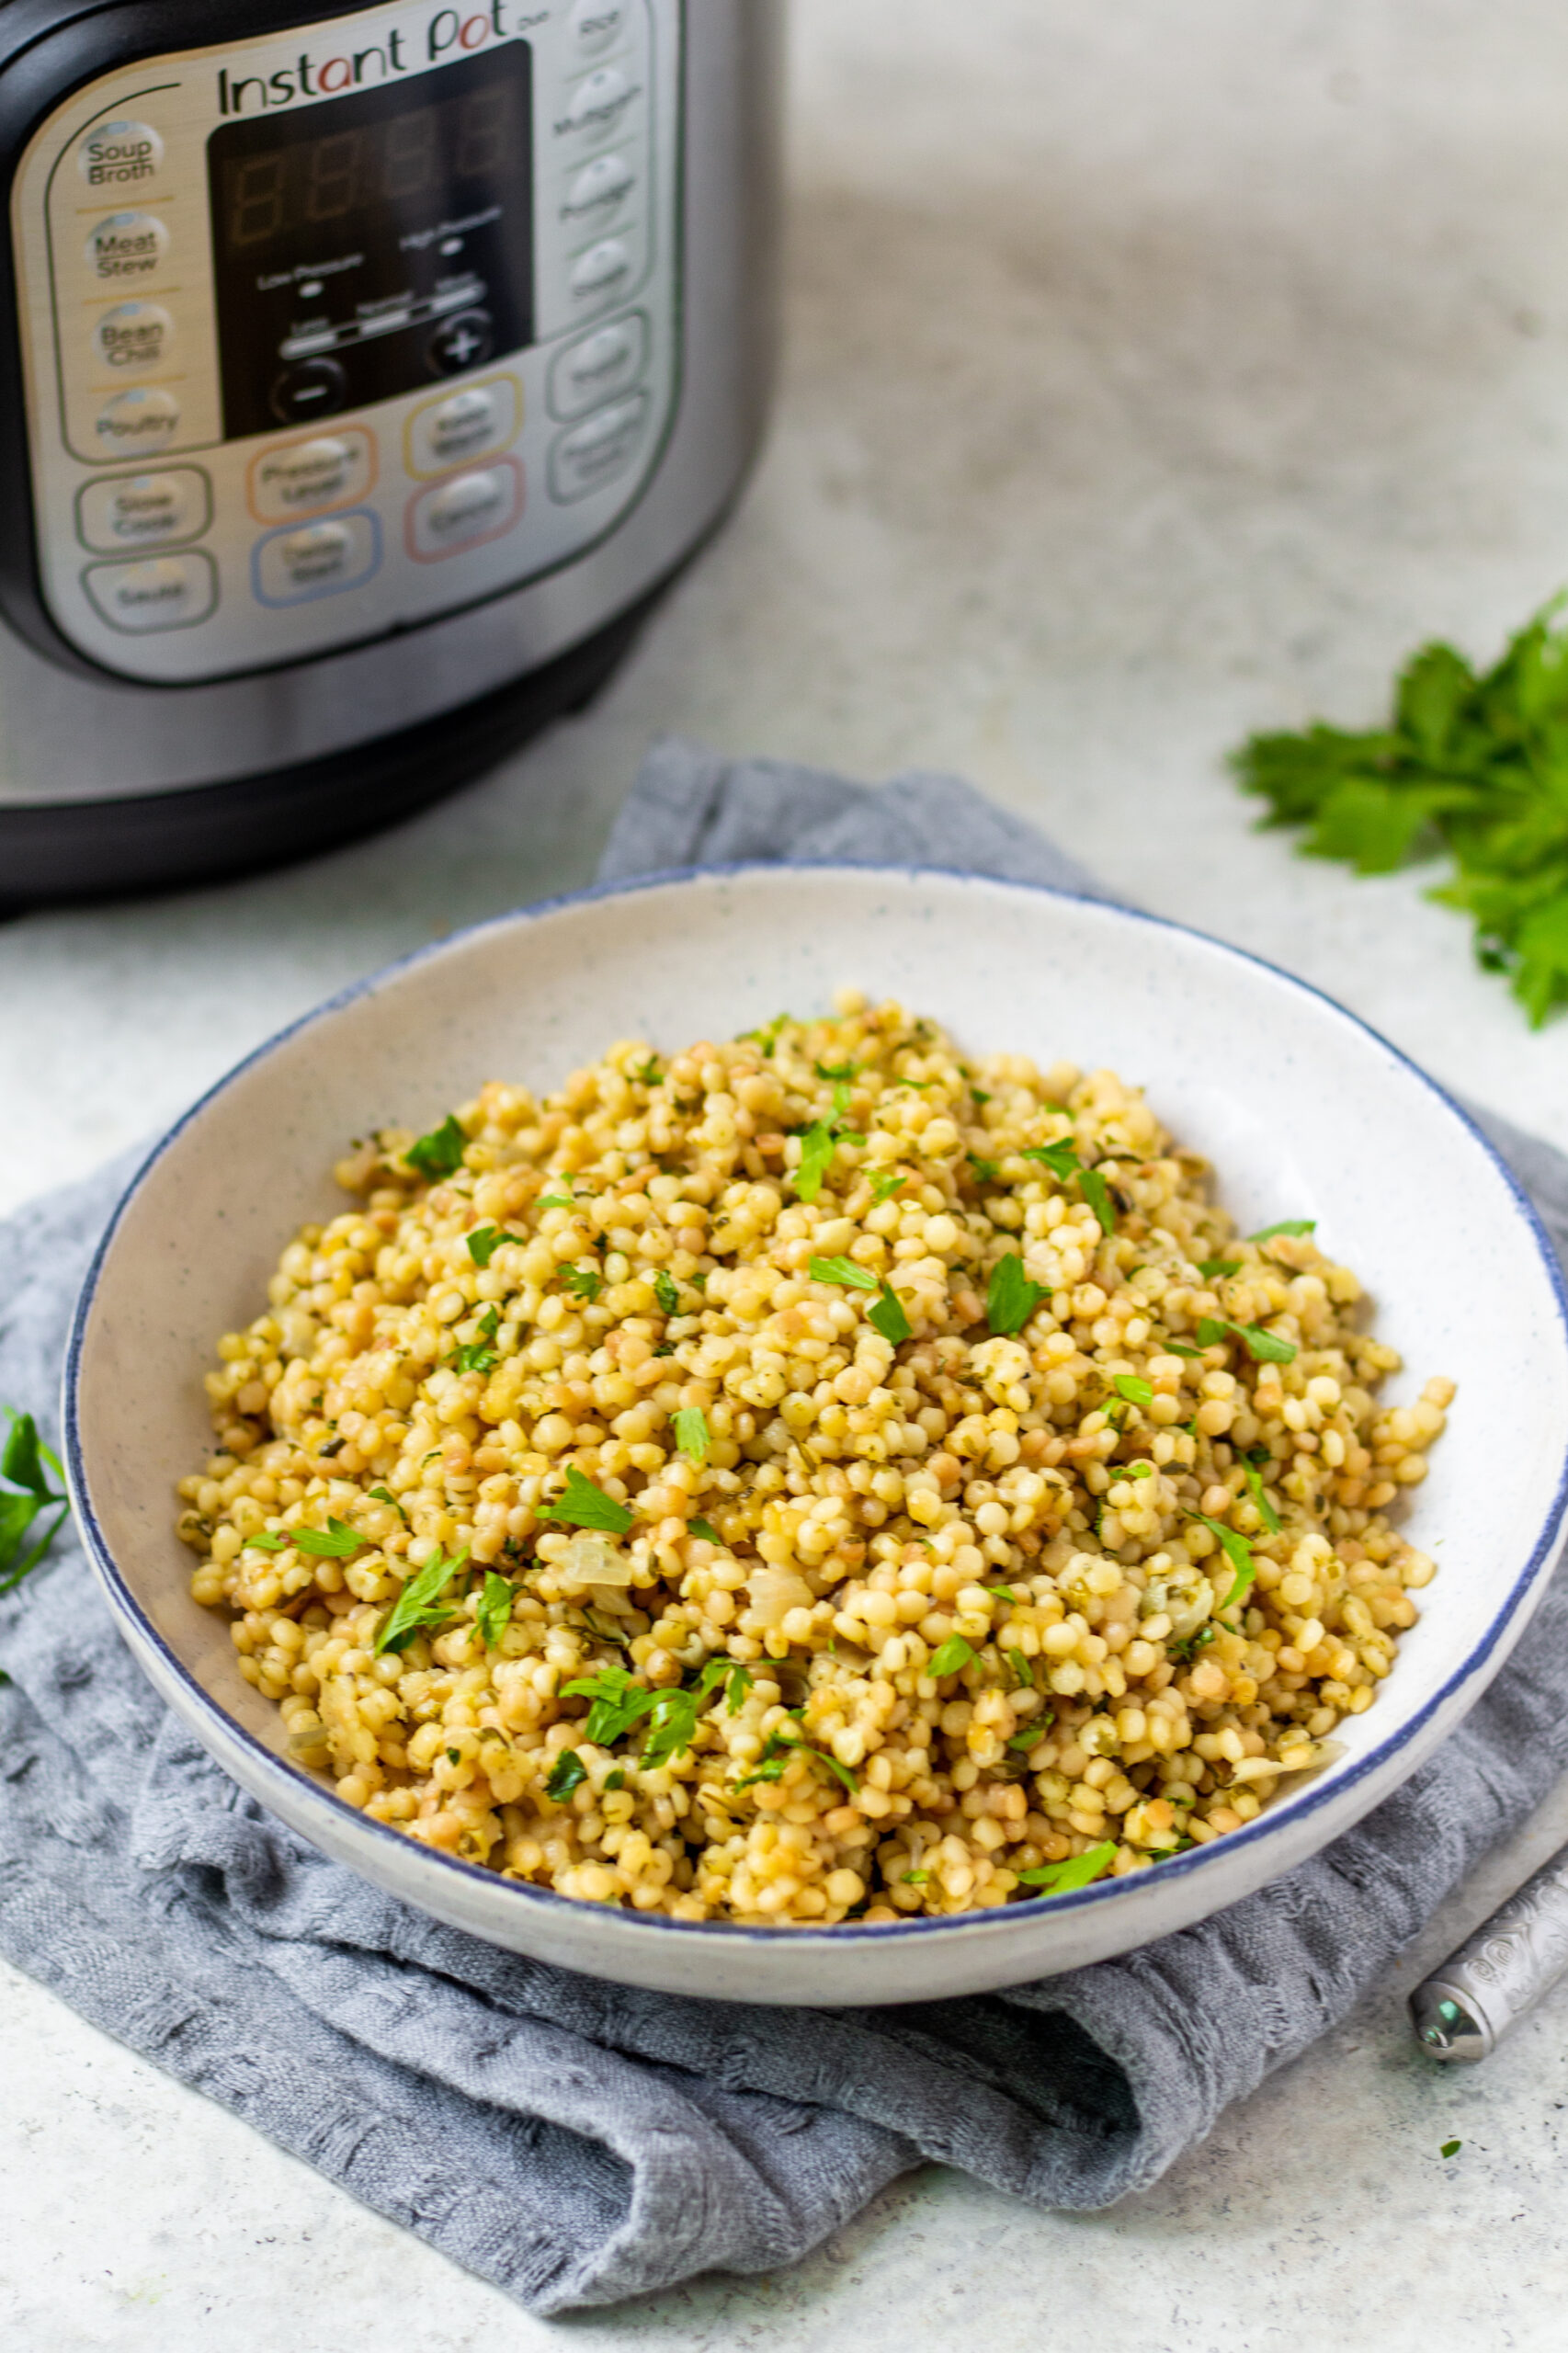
column 23, row 1457
column 1261, row 1497
column 842, row 1270
column 841, row 1073
column 1178, row 1349
column 382, row 1495
column 1238, row 1552
column 1137, row 1390
column 1213, row 1269
column 737, row 1685
column 1021, row 1668
column 888, row 1316
column 440, row 1153
column 617, row 1703
column 484, row 1243
column 986, row 1171
column 914, row 1879
column 649, row 1073
column 664, row 1291
column 1262, row 1346
column 22, row 1462
column 1062, row 1158
column 953, row 1655
column 585, row 1506
column 883, row 1188
column 554, row 1201
column 1096, row 1192
column 270, row 1540
column 706, row 1530
column 475, row 1356
column 583, row 1282
column 420, row 1608
column 493, row 1614
column 616, row 1781
column 1187, row 1650
column 1003, row 1592
column 1450, row 2148
column 1010, row 1299
column 817, row 1147
column 1030, row 1735
column 1136, row 1470
column 336, row 1541
column 567, row 1773
column 1078, row 1871
column 691, row 1433
column 1295, row 1225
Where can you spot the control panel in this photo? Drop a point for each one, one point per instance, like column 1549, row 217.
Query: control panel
column 331, row 332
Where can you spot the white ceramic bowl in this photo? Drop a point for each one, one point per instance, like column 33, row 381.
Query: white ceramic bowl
column 1304, row 1110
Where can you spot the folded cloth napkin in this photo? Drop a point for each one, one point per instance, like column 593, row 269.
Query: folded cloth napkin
column 577, row 2142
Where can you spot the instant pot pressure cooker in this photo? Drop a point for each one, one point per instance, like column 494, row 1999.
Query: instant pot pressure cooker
column 363, row 378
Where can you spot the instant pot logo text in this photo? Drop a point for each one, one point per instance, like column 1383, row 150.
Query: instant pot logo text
column 448, row 32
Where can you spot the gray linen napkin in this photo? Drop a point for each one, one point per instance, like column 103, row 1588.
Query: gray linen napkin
column 578, row 2142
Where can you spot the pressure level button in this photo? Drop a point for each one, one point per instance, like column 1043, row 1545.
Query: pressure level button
column 127, row 246
column 133, row 421
column 135, row 336
column 119, row 155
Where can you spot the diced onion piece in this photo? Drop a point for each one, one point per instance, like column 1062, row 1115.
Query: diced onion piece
column 774, row 1593
column 593, row 1560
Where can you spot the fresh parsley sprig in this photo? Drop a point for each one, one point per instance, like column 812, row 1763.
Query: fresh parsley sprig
column 582, row 1504
column 1010, row 1299
column 24, row 1463
column 440, row 1153
column 1078, row 1871
column 419, row 1607
column 1263, row 1347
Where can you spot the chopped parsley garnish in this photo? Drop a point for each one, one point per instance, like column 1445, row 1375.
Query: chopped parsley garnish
column 914, row 1879
column 882, row 1188
column 23, row 1466
column 1022, row 1669
column 582, row 1504
column 691, row 1433
column 842, row 1270
column 706, row 1530
column 1213, row 1269
column 986, row 1171
column 1137, row 1390
column 616, row 1781
column 438, row 1154
column 1262, row 1346
column 842, row 1072
column 583, row 1282
column 953, row 1655
column 384, row 1496
column 1003, row 1592
column 1187, row 1650
column 1060, row 1158
column 649, row 1073
column 493, row 1614
column 420, row 1608
column 1238, row 1552
column 817, row 1147
column 475, row 1355
column 484, row 1243
column 1078, row 1871
column 1179, row 1348
column 888, row 1316
column 567, row 1773
column 767, row 1036
column 1096, row 1192
column 1010, row 1299
column 272, row 1540
column 336, row 1541
column 1293, row 1225
column 553, row 1201
column 1030, row 1735
column 1136, row 1470
column 774, row 1763
column 617, row 1703
column 1260, row 1495
column 1450, row 2148
column 664, row 1291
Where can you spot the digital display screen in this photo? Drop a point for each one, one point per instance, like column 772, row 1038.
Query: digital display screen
column 375, row 243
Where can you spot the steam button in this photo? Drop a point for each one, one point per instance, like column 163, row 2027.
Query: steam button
column 137, row 420
column 163, row 592
column 119, row 155
column 311, row 388
column 126, row 245
column 134, row 335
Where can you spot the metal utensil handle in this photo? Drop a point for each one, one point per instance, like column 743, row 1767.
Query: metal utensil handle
column 1465, row 2007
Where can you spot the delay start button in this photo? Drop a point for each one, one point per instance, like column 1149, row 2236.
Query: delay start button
column 166, row 592
column 464, row 511
column 310, row 476
column 309, row 560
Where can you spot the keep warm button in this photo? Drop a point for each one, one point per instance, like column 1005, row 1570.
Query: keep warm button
column 165, row 592
column 465, row 510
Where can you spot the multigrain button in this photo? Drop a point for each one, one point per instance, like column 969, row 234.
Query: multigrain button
column 599, row 274
column 316, row 559
column 465, row 510
column 598, row 104
column 143, row 510
column 134, row 335
column 142, row 419
column 465, row 425
column 119, row 155
column 168, row 592
column 127, row 247
column 598, row 192
column 308, row 477
column 595, row 25
column 608, row 360
column 594, row 452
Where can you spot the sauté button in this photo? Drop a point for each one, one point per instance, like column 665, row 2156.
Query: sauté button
column 601, row 271
column 137, row 420
column 126, row 245
column 134, row 335
column 119, row 155
column 597, row 450
column 143, row 510
column 306, row 477
column 311, row 388
column 316, row 559
column 599, row 189
column 598, row 102
column 465, row 425
column 607, row 362
column 465, row 510
column 167, row 592
column 465, row 341
column 593, row 25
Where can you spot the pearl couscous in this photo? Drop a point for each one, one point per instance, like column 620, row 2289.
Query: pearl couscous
column 809, row 1478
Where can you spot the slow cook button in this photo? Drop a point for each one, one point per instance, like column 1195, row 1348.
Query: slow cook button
column 310, row 476
column 126, row 245
column 597, row 450
column 119, row 155
column 608, row 360
column 316, row 559
column 134, row 335
column 143, row 510
column 166, row 592
column 469, row 423
column 465, row 511
column 144, row 419
column 600, row 273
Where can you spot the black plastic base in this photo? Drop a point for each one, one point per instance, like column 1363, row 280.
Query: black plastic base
column 63, row 851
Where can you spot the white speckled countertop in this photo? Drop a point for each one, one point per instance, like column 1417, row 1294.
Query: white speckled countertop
column 1155, row 372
